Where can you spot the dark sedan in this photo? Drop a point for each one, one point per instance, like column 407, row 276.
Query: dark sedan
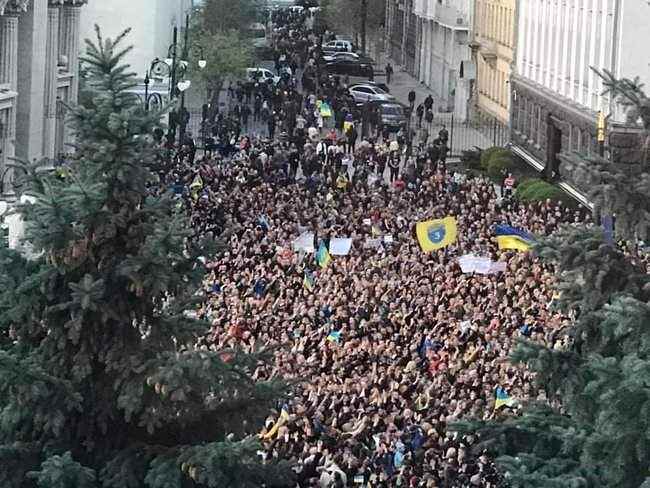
column 393, row 115
column 350, row 67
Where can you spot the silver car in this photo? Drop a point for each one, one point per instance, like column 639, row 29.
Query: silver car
column 362, row 93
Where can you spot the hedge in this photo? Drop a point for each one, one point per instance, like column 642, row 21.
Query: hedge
column 492, row 154
column 536, row 190
column 498, row 166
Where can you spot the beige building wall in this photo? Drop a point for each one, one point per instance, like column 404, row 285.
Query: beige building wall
column 494, row 42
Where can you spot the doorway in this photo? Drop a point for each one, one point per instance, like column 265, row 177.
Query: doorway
column 552, row 169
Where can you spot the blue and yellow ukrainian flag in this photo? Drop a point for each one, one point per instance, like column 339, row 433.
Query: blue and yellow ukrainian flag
column 334, row 336
column 502, row 399
column 325, row 110
column 513, row 238
column 436, row 234
column 308, row 281
column 323, row 257
column 348, row 123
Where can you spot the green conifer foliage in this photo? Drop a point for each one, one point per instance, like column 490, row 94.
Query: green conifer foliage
column 102, row 381
column 591, row 426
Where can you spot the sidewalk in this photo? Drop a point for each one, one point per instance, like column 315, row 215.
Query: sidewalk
column 464, row 135
column 401, row 83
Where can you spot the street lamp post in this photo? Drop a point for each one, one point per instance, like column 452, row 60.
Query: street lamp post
column 175, row 69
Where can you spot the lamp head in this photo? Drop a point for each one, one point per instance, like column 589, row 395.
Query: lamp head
column 202, row 63
column 169, row 61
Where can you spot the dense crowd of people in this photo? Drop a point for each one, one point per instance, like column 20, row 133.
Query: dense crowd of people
column 387, row 345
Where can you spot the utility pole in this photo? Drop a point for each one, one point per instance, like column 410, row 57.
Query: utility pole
column 364, row 21
column 185, row 56
column 171, row 135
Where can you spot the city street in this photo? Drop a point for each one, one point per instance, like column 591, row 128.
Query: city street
column 225, row 262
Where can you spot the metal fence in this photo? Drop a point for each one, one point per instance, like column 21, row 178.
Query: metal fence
column 200, row 131
column 482, row 131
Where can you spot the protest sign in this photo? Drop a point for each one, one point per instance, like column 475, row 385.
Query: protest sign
column 305, row 242
column 340, row 246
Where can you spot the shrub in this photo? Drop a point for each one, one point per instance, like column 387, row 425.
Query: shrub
column 536, row 190
column 472, row 158
column 493, row 153
column 498, row 167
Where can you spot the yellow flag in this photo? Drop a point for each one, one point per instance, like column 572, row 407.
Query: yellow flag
column 436, row 234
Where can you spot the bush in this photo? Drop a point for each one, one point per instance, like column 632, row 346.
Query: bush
column 498, row 167
column 536, row 190
column 493, row 153
column 472, row 158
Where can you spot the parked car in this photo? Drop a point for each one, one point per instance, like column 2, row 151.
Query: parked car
column 329, row 56
column 352, row 67
column 261, row 75
column 383, row 86
column 369, row 92
column 338, row 45
column 393, row 114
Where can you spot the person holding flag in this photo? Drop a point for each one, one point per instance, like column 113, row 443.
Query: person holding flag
column 436, row 234
column 502, row 399
column 509, row 237
column 308, row 281
column 323, row 257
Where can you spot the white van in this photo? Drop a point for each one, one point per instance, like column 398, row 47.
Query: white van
column 256, row 75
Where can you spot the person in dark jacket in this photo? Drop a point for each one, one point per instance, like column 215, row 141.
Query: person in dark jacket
column 389, row 73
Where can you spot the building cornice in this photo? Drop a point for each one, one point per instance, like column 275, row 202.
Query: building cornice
column 12, row 7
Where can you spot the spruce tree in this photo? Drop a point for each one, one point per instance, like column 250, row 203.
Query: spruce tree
column 102, row 381
column 593, row 428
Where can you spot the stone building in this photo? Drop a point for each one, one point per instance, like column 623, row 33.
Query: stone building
column 555, row 95
column 151, row 23
column 493, row 48
column 35, row 87
column 430, row 38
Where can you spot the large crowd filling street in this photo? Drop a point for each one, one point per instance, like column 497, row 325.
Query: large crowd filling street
column 385, row 345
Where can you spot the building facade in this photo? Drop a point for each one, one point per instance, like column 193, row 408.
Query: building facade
column 556, row 96
column 493, row 50
column 151, row 23
column 430, row 38
column 36, row 87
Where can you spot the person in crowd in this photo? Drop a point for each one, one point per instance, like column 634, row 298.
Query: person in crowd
column 389, row 73
column 385, row 346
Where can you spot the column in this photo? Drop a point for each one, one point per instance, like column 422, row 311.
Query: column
column 563, row 74
column 580, row 98
column 51, row 77
column 8, row 78
column 602, row 48
column 543, row 59
column 69, row 45
column 522, row 37
column 534, row 58
column 591, row 91
column 9, row 51
column 573, row 67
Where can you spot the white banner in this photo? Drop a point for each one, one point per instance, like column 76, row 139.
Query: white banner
column 304, row 242
column 340, row 246
column 480, row 265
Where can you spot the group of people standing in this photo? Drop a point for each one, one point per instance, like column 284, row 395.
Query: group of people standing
column 387, row 346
